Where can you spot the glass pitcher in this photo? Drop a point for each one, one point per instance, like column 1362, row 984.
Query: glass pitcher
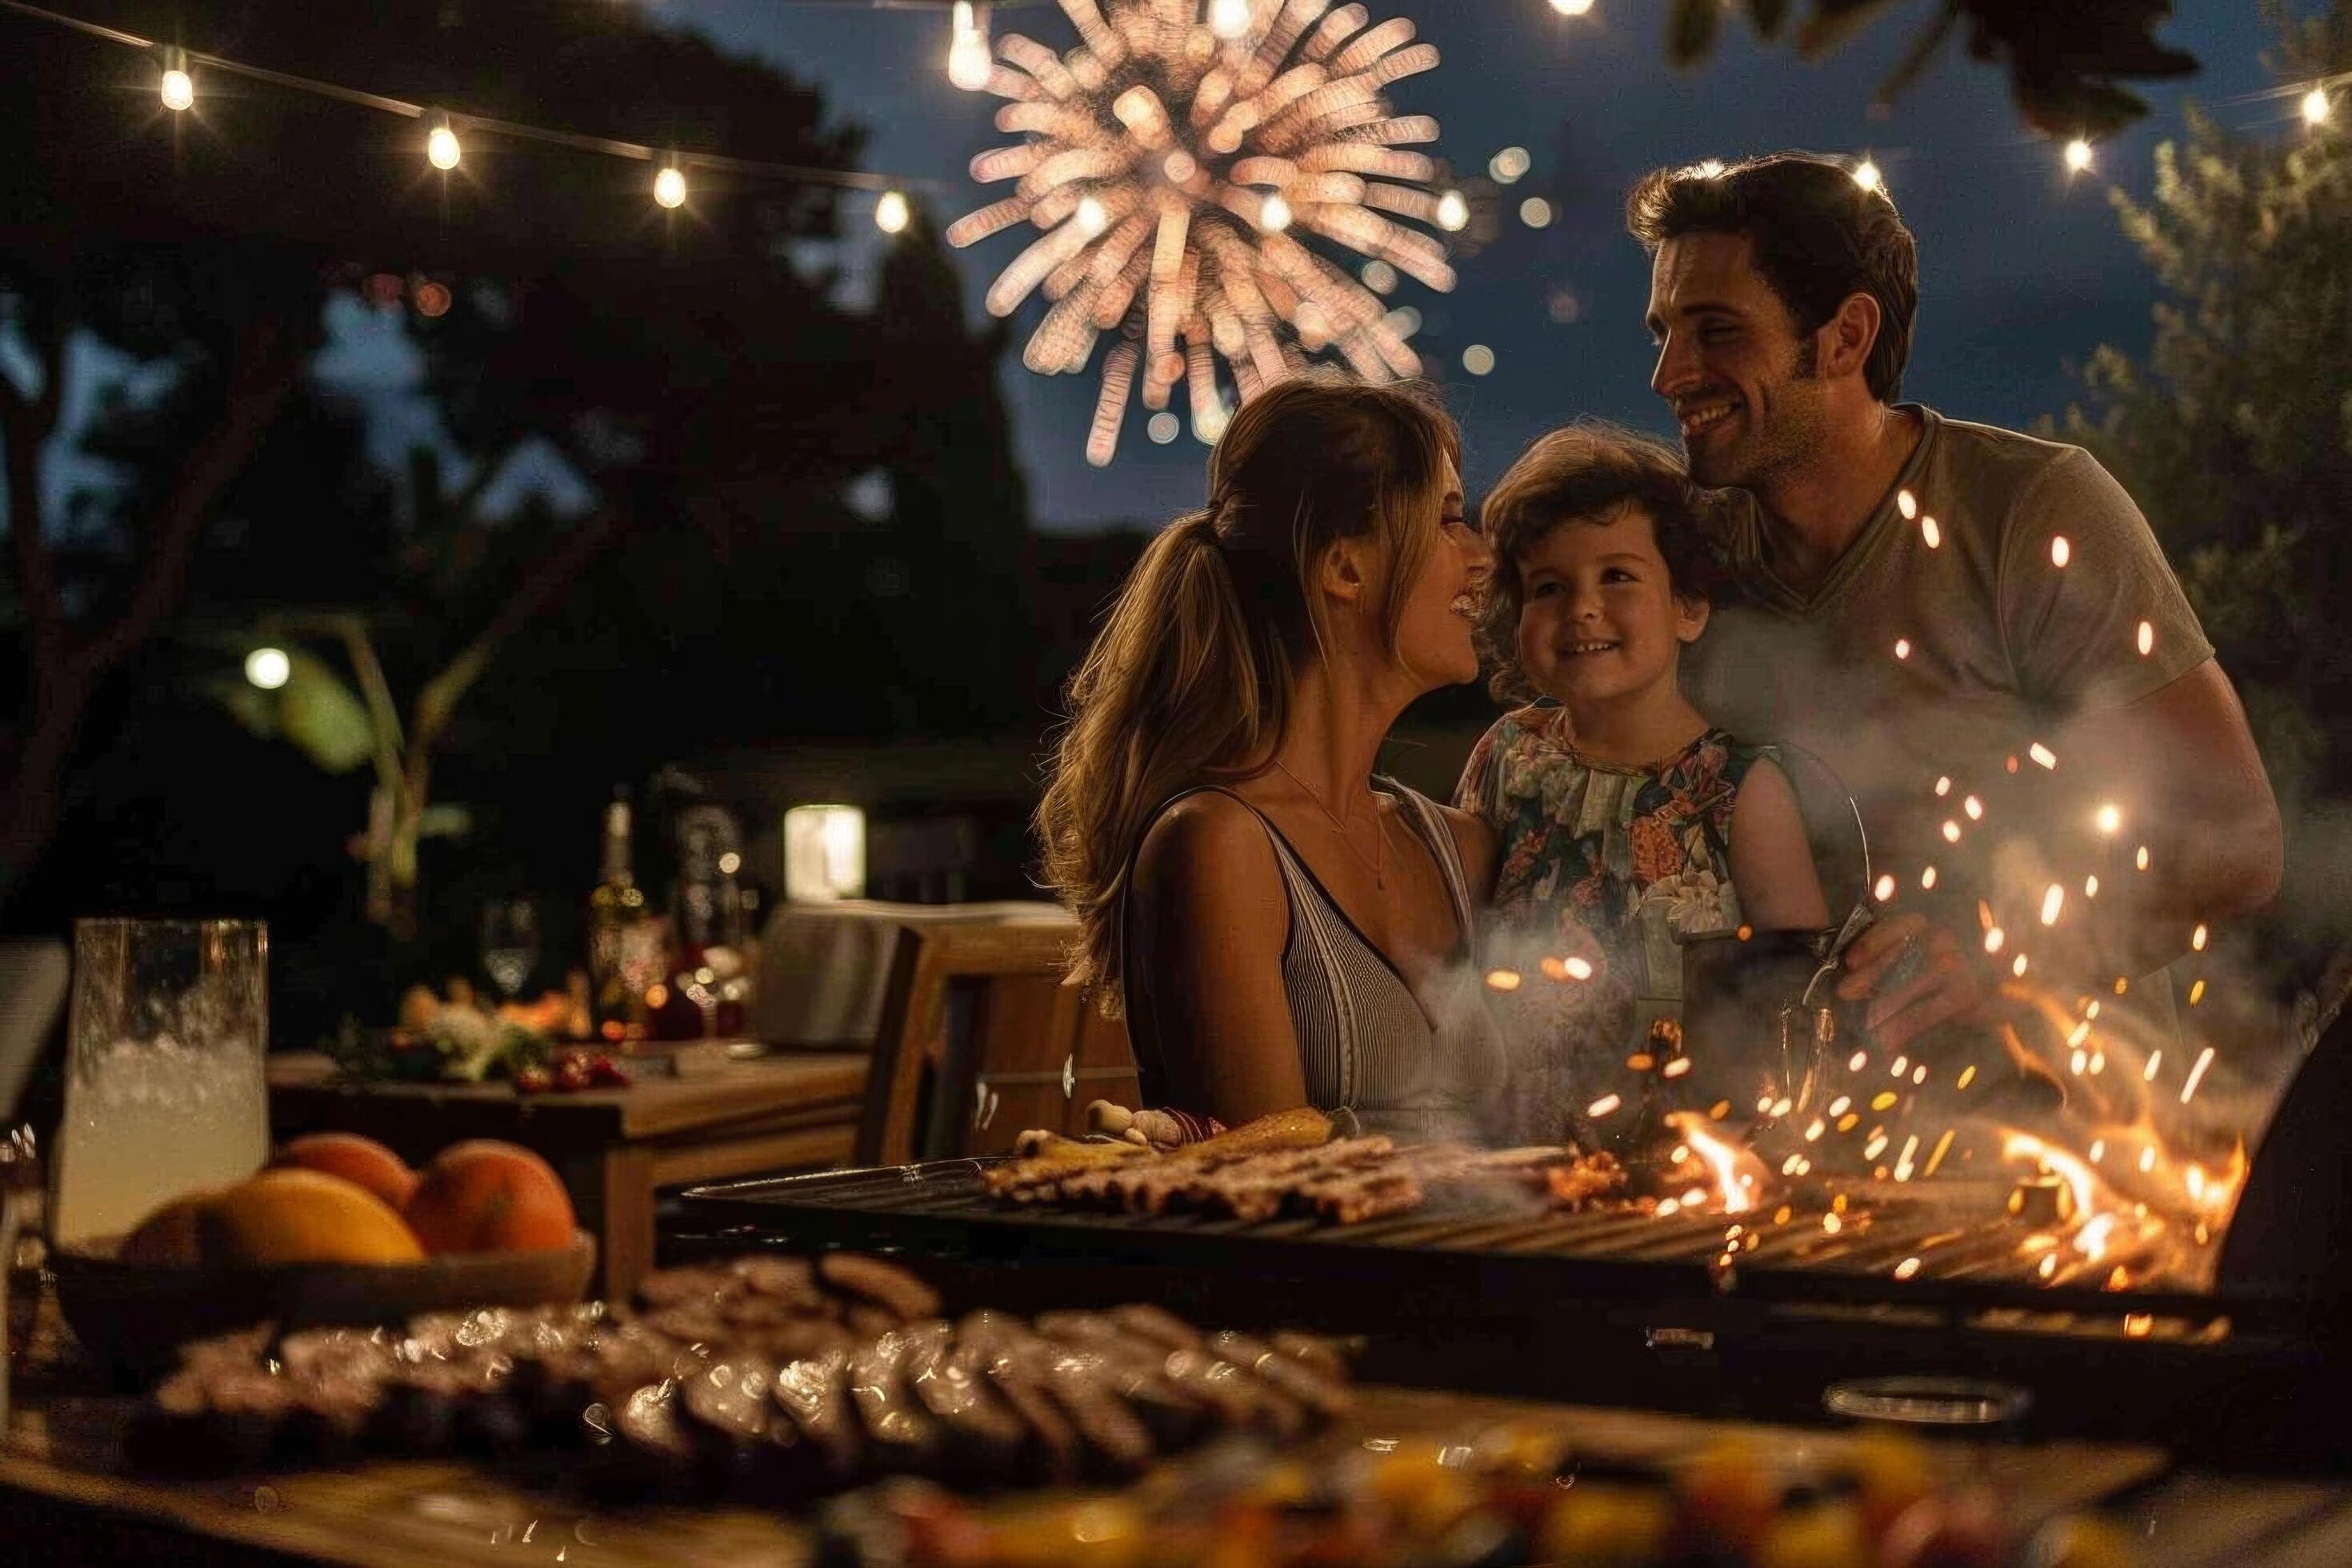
column 163, row 1089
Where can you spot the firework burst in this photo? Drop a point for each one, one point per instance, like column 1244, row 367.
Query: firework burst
column 1174, row 164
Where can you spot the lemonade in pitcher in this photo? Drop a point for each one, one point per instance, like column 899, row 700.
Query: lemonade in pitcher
column 164, row 1082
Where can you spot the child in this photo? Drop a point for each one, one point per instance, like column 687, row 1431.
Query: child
column 1628, row 824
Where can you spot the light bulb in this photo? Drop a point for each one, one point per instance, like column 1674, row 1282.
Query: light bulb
column 669, row 188
column 1452, row 212
column 179, row 90
column 268, row 668
column 1229, row 18
column 441, row 148
column 2314, row 106
column 967, row 59
column 1867, row 176
column 1572, row 7
column 2078, row 154
column 890, row 212
column 1275, row 216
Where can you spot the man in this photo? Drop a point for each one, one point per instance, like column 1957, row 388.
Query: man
column 1927, row 601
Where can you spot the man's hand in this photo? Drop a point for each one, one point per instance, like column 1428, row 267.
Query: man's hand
column 1940, row 989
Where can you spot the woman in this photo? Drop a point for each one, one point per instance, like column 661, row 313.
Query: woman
column 1283, row 927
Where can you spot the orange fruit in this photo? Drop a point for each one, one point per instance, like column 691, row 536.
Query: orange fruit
column 483, row 1195
column 294, row 1215
column 361, row 1161
column 171, row 1236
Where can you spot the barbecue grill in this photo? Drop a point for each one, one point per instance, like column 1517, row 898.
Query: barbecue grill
column 1822, row 1286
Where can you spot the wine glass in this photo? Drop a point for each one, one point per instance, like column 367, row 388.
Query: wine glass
column 509, row 944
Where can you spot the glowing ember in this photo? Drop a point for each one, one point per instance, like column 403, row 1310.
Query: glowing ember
column 1733, row 1167
column 1943, row 1147
column 2148, row 1159
column 1849, row 1122
column 2196, row 1074
column 1502, row 980
column 1884, row 888
column 2155, row 1060
column 1906, row 504
column 1553, row 969
column 1951, row 831
column 1675, row 1069
column 1579, row 968
column 1884, row 1100
column 2196, row 993
column 1857, row 1061
column 1931, row 533
column 2197, row 940
column 1943, row 787
column 2090, row 887
column 2053, row 903
column 2060, row 551
column 1903, row 648
column 1908, row 1267
column 1899, row 1066
column 2042, row 754
column 1841, row 1105
column 2017, row 967
column 1782, row 1106
column 1200, row 151
column 2138, row 1325
column 1603, row 1106
column 1967, row 1075
column 1814, row 1132
column 1831, row 1224
column 1994, row 939
column 1974, row 807
column 1903, row 1163
column 1927, row 877
column 2098, row 1149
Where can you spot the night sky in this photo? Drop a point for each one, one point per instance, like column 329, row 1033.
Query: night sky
column 2022, row 272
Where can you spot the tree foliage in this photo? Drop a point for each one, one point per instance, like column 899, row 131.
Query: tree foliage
column 2064, row 58
column 2235, row 430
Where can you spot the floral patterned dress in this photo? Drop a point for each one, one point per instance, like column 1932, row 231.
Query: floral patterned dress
column 1606, row 873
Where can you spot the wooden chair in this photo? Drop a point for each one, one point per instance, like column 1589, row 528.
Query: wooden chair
column 980, row 1039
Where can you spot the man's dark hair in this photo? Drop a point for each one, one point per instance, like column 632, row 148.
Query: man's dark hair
column 1590, row 472
column 1819, row 236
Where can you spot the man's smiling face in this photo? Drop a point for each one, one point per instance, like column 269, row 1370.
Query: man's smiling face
column 1731, row 363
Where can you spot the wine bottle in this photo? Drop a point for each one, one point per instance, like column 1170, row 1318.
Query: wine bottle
column 625, row 953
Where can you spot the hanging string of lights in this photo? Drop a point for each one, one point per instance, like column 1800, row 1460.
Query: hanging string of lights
column 445, row 145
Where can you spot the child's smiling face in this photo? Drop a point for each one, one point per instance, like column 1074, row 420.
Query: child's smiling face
column 1600, row 623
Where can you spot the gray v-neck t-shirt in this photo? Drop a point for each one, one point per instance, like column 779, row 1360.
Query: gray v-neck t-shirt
column 1942, row 651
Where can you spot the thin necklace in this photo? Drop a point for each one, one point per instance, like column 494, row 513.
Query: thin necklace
column 1380, row 865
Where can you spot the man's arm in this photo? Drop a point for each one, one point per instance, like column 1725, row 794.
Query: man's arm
column 2183, row 770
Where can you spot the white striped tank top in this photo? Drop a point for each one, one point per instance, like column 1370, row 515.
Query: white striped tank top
column 1415, row 1067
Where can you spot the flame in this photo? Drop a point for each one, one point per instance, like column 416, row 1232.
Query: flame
column 1729, row 1161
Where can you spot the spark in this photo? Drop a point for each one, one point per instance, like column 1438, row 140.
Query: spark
column 1721, row 1158
column 1931, row 533
column 1640, row 1061
column 1719, row 1111
column 2078, row 155
column 1577, row 968
column 1553, row 969
column 1908, row 1267
column 1814, row 1132
column 1901, row 1066
column 2042, row 754
column 2137, row 1325
column 2017, row 967
column 2090, row 1007
column 2080, row 1033
column 2123, row 983
column 2315, row 107
column 1675, row 1069
column 2140, row 859
column 1903, row 648
column 2098, row 1149
column 1883, row 1099
column 2077, row 1062
column 1907, row 504
column 1867, row 176
column 2147, row 638
column 2110, row 818
column 1841, row 1105
column 2148, row 1159
column 1831, row 1224
column 2054, row 904
column 1200, row 152
column 1927, row 878
column 1994, row 939
column 1855, row 1062
column 1943, row 1145
column 1502, row 980
column 2048, row 1267
column 2197, row 1074
column 1951, row 831
column 2196, row 993
column 1974, row 807
column 1902, row 1166
column 1943, row 786
column 1919, row 1074
column 2197, row 940
column 1782, row 1106
column 1603, row 1106
column 2060, row 551
column 2090, row 887
column 890, row 211
column 1668, row 1207
column 1849, row 1122
column 1967, row 1075
column 1875, row 1147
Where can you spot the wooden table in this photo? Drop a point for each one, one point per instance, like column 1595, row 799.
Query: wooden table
column 615, row 1148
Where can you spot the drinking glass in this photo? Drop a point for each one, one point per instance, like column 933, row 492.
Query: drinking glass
column 163, row 1069
column 509, row 947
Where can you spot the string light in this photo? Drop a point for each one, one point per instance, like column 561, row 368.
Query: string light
column 2315, row 107
column 967, row 59
column 2078, row 155
column 1572, row 7
column 669, row 187
column 268, row 668
column 178, row 88
column 890, row 212
column 1867, row 176
column 441, row 148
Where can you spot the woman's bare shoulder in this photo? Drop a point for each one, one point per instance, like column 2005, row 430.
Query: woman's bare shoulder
column 1208, row 845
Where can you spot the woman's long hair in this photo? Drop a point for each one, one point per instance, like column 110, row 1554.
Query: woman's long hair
column 1191, row 677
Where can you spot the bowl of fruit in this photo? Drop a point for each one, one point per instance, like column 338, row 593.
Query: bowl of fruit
column 337, row 1229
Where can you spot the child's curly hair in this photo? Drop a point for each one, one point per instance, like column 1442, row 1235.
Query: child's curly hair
column 1587, row 473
